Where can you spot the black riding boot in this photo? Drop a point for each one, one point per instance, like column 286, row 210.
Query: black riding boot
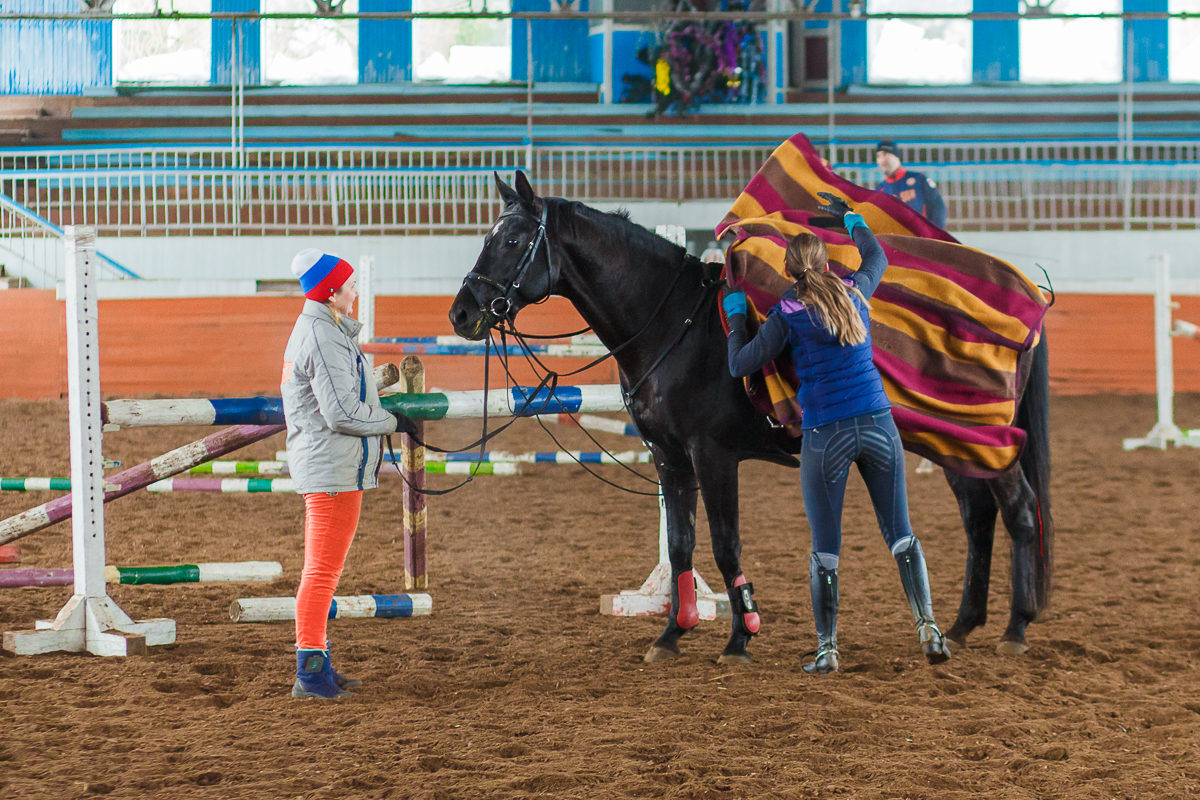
column 823, row 582
column 915, row 578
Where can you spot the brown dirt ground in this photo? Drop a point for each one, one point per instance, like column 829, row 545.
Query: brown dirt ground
column 516, row 687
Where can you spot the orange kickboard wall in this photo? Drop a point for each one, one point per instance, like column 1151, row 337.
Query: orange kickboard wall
column 230, row 346
column 233, row 346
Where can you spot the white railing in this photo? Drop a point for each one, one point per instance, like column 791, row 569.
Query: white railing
column 32, row 246
column 402, row 190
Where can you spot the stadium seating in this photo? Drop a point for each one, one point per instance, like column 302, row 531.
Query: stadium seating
column 571, row 114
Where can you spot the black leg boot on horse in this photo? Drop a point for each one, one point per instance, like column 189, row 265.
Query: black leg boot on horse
column 823, row 582
column 915, row 577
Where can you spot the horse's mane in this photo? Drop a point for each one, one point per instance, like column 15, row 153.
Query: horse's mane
column 638, row 235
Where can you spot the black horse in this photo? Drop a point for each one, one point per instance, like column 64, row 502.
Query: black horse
column 655, row 307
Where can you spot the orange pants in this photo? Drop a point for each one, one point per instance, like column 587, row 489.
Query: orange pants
column 329, row 526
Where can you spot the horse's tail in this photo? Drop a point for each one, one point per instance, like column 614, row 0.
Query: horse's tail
column 1033, row 416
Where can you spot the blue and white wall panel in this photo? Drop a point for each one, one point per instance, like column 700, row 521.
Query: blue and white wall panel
column 248, row 46
column 53, row 56
column 560, row 47
column 385, row 47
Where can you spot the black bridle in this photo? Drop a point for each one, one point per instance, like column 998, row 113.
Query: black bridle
column 500, row 306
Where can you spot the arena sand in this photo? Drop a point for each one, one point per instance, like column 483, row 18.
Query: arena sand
column 516, row 687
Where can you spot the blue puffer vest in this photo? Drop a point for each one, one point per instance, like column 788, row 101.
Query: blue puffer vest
column 836, row 381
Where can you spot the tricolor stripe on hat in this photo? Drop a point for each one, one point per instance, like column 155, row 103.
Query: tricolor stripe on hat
column 320, row 274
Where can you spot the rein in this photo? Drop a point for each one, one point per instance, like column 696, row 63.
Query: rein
column 498, row 309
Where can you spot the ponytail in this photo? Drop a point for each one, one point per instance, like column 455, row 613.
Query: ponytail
column 806, row 259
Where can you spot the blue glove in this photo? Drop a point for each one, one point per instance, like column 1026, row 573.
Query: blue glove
column 734, row 303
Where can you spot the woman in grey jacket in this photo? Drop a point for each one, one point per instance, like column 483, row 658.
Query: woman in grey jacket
column 335, row 426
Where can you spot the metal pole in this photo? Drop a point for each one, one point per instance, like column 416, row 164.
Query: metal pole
column 529, row 97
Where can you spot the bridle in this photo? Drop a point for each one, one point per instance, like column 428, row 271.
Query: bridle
column 501, row 305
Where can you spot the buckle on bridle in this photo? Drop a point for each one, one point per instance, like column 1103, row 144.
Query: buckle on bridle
column 500, row 312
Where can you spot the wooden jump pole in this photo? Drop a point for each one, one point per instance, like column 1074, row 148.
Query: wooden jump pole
column 412, row 467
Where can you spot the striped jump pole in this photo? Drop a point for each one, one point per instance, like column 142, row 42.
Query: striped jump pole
column 224, row 485
column 281, row 609
column 580, row 339
column 593, row 423
column 257, row 469
column 117, row 414
column 241, row 571
column 518, row 401
column 140, row 476
column 241, row 468
column 287, row 485
column 35, row 484
column 499, row 457
column 384, row 347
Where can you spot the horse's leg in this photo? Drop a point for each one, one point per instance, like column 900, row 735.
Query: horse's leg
column 679, row 497
column 717, row 473
column 1019, row 510
column 978, row 508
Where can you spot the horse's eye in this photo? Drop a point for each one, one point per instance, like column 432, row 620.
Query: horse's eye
column 511, row 242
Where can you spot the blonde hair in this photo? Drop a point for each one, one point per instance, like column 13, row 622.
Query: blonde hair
column 337, row 315
column 806, row 259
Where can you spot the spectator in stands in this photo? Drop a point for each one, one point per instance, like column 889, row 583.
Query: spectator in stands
column 335, row 426
column 914, row 189
column 823, row 320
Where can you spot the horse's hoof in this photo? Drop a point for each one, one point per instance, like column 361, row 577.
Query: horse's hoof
column 735, row 659
column 1008, row 648
column 956, row 644
column 657, row 653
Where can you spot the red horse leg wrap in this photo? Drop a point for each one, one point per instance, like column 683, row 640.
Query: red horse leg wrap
column 751, row 618
column 688, row 614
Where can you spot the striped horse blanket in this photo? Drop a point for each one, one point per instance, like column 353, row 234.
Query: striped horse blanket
column 951, row 325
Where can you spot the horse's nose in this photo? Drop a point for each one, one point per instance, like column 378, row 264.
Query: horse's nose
column 460, row 319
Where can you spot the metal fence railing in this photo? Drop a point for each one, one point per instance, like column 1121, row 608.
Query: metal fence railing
column 378, row 190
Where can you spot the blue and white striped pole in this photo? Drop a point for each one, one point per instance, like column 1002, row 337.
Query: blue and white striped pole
column 281, row 609
column 518, row 400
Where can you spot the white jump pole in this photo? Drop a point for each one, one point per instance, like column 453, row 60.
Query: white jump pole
column 653, row 597
column 90, row 620
column 1165, row 431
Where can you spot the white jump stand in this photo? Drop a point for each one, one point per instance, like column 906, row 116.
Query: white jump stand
column 90, row 620
column 1165, row 431
column 654, row 596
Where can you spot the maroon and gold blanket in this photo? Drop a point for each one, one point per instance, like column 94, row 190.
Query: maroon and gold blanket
column 950, row 324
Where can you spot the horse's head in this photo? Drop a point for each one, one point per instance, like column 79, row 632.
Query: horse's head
column 514, row 269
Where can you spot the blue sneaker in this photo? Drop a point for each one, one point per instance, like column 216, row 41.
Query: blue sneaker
column 314, row 676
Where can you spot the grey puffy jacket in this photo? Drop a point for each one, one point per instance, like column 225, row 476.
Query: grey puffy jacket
column 334, row 421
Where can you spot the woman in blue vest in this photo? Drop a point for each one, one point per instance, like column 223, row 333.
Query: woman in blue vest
column 847, row 419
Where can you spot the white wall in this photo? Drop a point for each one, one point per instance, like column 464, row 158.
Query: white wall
column 1090, row 261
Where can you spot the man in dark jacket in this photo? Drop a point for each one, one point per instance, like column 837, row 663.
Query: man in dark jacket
column 914, row 189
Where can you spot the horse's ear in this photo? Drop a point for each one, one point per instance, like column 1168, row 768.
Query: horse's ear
column 507, row 194
column 525, row 191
